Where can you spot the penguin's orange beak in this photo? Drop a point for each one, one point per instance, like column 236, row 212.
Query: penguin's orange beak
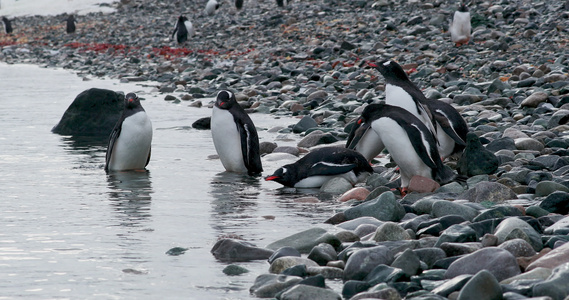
column 372, row 64
column 269, row 178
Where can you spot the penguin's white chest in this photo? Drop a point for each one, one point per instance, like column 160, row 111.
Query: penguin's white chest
column 460, row 28
column 397, row 142
column 189, row 28
column 227, row 140
column 132, row 147
column 370, row 145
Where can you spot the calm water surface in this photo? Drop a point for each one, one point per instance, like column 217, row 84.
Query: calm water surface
column 69, row 230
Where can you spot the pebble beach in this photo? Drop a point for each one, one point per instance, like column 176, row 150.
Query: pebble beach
column 500, row 234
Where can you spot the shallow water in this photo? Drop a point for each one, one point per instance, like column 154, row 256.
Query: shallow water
column 69, row 230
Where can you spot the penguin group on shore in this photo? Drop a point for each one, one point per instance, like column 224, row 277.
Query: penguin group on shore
column 417, row 132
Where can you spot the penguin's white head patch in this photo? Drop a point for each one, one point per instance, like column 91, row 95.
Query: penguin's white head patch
column 284, row 171
column 387, row 63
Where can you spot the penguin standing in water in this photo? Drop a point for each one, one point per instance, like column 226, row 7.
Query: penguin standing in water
column 409, row 142
column 210, row 7
column 442, row 120
column 235, row 136
column 70, row 28
column 7, row 25
column 460, row 27
column 131, row 139
column 320, row 165
column 184, row 29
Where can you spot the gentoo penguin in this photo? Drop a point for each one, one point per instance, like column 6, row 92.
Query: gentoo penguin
column 280, row 3
column 364, row 140
column 409, row 142
column 70, row 28
column 184, row 29
column 211, row 6
column 234, row 136
column 435, row 114
column 130, row 140
column 320, row 165
column 239, row 4
column 460, row 26
column 400, row 91
column 7, row 25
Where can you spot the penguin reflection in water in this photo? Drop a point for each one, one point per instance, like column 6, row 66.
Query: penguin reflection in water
column 131, row 138
column 235, row 136
column 322, row 164
column 409, row 141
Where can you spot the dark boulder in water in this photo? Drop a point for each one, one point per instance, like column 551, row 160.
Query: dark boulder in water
column 94, row 112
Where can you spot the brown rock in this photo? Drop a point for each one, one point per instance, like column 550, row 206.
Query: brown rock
column 357, row 193
column 524, row 262
column 422, row 184
column 554, row 258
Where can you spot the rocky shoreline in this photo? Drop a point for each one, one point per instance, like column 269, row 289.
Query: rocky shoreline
column 500, row 235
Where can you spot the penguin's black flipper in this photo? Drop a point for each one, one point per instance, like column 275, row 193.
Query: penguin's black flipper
column 417, row 137
column 448, row 128
column 250, row 148
column 326, row 168
column 149, row 154
column 358, row 131
column 112, row 139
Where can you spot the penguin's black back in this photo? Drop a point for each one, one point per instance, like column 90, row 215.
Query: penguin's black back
column 7, row 25
column 70, row 28
column 181, row 31
column 239, row 4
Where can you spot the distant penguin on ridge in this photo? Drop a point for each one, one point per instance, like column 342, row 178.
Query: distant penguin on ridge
column 235, row 136
column 460, row 27
column 183, row 30
column 211, row 6
column 70, row 26
column 7, row 25
column 409, row 143
column 131, row 139
column 322, row 164
column 239, row 4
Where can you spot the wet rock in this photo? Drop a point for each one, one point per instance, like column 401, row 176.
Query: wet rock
column 482, row 286
column 518, row 247
column 534, row 99
column 458, row 233
column 302, row 291
column 489, row 191
column 556, row 202
column 446, row 208
column 476, row 159
column 94, row 112
column 282, row 263
column 497, row 213
column 304, row 124
column 408, row 262
column 284, row 251
column 430, row 255
column 234, row 270
column 353, row 287
column 384, row 208
column 316, row 138
column 552, row 259
column 556, row 285
column 230, row 250
column 422, row 184
column 336, row 185
column 501, row 263
column 304, row 241
column 202, row 124
column 390, row 231
column 363, row 261
column 560, row 227
column 383, row 273
column 322, row 254
column 505, row 230
column 268, row 285
column 452, row 285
